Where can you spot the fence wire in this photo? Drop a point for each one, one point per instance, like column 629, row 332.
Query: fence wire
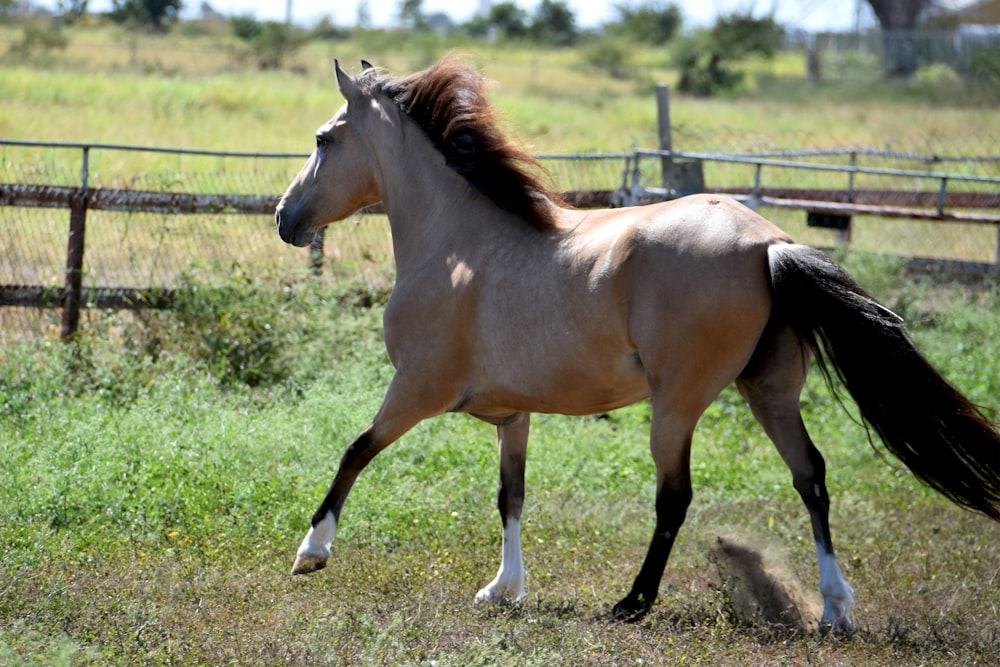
column 130, row 249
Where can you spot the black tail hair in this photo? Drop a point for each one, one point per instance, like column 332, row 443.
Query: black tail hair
column 942, row 437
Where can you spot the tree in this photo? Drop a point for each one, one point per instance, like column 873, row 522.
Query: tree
column 652, row 22
column 705, row 61
column 411, row 14
column 739, row 35
column 363, row 17
column 156, row 14
column 897, row 19
column 554, row 23
column 505, row 20
column 71, row 10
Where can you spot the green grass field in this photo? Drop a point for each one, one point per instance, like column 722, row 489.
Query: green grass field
column 157, row 475
column 152, row 504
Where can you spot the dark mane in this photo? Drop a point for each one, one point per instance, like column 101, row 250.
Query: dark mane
column 448, row 101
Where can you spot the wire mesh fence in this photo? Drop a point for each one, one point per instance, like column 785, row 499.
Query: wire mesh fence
column 162, row 248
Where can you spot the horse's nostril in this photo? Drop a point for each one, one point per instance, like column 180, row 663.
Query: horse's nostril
column 285, row 230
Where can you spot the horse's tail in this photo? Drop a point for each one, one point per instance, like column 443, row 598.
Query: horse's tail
column 941, row 436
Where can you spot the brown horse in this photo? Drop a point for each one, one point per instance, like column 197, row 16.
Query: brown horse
column 507, row 303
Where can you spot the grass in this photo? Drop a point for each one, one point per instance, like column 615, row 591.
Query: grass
column 152, row 503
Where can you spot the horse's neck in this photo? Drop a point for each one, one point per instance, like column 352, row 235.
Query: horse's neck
column 432, row 210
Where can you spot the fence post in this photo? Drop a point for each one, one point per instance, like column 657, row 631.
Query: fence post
column 996, row 262
column 316, row 251
column 663, row 116
column 73, row 298
column 683, row 177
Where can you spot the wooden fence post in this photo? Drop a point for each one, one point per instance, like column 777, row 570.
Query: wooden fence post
column 682, row 176
column 73, row 297
column 316, row 251
column 996, row 260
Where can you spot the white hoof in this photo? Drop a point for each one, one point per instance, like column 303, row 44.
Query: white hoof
column 837, row 615
column 498, row 592
column 315, row 548
column 508, row 585
column 838, row 597
column 306, row 563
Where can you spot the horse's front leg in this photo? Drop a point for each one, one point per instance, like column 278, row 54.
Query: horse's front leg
column 315, row 548
column 512, row 435
column 401, row 409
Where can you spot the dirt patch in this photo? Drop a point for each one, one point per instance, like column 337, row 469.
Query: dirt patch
column 762, row 591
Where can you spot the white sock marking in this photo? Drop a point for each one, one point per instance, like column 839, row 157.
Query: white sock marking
column 838, row 596
column 319, row 538
column 509, row 582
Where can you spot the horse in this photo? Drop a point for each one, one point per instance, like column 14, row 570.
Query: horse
column 507, row 302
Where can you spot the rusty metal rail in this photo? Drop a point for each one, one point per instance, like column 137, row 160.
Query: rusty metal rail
column 112, row 199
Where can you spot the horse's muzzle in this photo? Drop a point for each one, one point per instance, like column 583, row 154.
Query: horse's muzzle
column 290, row 230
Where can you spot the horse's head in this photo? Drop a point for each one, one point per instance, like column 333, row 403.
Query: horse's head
column 338, row 178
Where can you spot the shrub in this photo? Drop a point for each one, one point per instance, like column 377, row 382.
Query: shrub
column 610, row 55
column 706, row 61
column 271, row 42
column 37, row 41
column 236, row 330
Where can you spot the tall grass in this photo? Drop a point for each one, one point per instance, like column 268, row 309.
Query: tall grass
column 553, row 99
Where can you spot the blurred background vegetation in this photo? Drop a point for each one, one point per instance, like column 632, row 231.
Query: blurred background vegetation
column 926, row 39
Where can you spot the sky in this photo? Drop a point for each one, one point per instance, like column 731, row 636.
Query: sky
column 808, row 14
column 811, row 15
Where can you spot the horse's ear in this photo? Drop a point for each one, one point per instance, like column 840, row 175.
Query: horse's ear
column 365, row 66
column 348, row 86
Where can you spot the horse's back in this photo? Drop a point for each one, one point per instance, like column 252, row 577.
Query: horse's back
column 695, row 272
column 701, row 224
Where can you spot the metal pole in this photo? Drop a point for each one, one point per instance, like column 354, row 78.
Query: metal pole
column 663, row 125
column 850, row 176
column 72, row 300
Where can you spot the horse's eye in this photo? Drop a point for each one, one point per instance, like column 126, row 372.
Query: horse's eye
column 320, row 141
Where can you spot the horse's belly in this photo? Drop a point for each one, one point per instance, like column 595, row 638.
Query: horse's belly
column 569, row 389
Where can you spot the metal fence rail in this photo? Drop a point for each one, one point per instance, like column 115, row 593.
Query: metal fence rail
column 636, row 192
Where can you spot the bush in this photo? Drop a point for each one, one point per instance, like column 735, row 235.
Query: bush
column 610, row 55
column 37, row 41
column 984, row 66
column 937, row 75
column 651, row 23
column 237, row 331
column 706, row 61
column 271, row 42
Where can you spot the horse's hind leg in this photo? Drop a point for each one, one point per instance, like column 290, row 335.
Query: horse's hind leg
column 772, row 384
column 512, row 435
column 670, row 444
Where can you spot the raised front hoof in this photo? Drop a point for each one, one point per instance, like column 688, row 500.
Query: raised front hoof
column 629, row 610
column 306, row 563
